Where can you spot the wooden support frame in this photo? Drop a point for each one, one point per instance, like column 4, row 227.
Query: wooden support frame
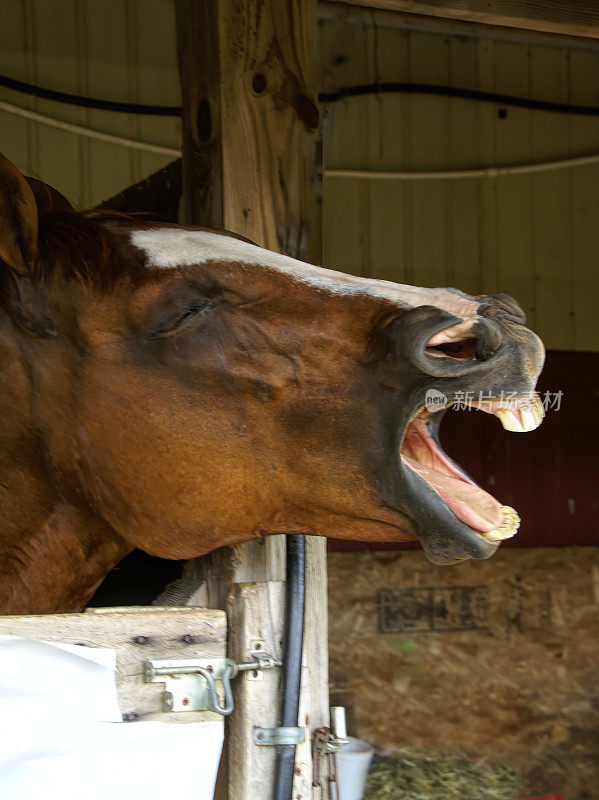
column 250, row 118
column 250, row 128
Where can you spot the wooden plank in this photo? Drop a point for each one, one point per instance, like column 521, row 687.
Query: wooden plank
column 156, row 78
column 199, row 72
column 341, row 220
column 255, row 613
column 343, row 63
column 462, row 228
column 314, row 700
column 14, row 131
column 106, row 78
column 158, row 195
column 137, row 634
column 56, row 64
column 512, row 144
column 584, row 88
column 429, row 56
column 389, row 212
column 250, row 125
column 576, row 18
column 551, row 202
column 269, row 136
column 249, row 138
column 487, row 282
column 63, row 46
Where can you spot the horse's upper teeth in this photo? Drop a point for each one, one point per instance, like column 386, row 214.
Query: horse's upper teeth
column 526, row 415
column 508, row 528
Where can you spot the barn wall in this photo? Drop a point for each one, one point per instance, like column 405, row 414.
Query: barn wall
column 115, row 49
column 497, row 659
column 535, row 237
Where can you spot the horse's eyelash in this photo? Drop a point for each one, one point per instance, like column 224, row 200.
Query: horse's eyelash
column 176, row 322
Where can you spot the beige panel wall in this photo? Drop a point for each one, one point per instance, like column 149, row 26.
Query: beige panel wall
column 533, row 236
column 115, row 49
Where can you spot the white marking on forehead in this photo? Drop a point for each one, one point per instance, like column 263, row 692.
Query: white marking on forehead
column 176, row 247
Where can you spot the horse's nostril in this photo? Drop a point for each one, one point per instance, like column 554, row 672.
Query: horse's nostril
column 462, row 350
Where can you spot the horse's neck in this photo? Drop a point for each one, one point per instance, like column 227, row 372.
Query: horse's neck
column 53, row 555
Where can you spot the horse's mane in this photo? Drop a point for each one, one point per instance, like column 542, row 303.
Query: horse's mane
column 92, row 246
column 82, row 246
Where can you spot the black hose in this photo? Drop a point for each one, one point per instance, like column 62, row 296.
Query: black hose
column 292, row 661
column 87, row 102
column 333, row 96
column 402, row 87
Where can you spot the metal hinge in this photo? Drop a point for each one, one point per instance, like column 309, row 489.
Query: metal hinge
column 190, row 683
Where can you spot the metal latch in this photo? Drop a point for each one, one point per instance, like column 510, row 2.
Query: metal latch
column 190, row 683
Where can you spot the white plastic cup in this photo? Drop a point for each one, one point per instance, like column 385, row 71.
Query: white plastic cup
column 353, row 762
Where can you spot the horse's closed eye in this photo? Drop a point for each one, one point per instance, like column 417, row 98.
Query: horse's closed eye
column 176, row 323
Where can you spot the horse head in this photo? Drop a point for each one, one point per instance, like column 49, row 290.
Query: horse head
column 177, row 389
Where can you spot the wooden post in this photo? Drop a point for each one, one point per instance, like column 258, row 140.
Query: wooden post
column 250, row 127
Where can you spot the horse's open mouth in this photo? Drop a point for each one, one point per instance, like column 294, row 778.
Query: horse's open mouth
column 480, row 511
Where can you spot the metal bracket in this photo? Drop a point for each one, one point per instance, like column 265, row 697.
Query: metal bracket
column 273, row 737
column 190, row 684
column 260, row 660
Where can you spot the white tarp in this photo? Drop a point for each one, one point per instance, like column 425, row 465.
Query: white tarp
column 62, row 737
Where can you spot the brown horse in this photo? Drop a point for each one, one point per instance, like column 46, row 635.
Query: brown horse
column 176, row 389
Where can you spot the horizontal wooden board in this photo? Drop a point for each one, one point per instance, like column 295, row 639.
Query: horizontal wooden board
column 575, row 18
column 137, row 634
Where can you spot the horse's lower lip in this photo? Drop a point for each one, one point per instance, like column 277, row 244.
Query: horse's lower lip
column 422, row 453
column 455, row 514
column 506, row 521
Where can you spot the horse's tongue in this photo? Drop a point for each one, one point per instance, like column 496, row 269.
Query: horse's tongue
column 471, row 504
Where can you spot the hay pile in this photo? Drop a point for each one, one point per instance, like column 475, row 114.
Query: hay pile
column 417, row 776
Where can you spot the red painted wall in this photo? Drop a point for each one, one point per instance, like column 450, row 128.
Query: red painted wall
column 550, row 476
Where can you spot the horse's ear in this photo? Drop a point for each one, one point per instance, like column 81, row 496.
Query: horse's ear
column 47, row 198
column 18, row 220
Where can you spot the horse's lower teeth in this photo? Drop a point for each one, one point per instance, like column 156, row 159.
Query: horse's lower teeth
column 508, row 528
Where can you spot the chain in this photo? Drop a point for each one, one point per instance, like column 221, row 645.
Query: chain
column 320, row 752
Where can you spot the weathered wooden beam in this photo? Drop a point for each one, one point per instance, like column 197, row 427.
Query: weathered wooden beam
column 575, row 18
column 250, row 125
column 158, row 195
column 250, row 117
